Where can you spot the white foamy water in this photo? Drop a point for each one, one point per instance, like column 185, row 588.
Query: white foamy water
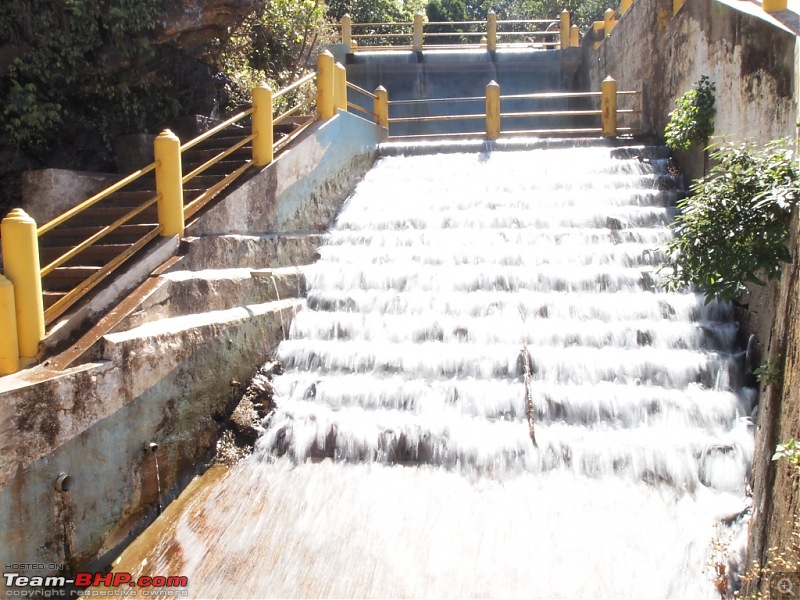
column 399, row 461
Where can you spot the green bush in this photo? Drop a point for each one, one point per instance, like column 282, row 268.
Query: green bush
column 734, row 228
column 692, row 122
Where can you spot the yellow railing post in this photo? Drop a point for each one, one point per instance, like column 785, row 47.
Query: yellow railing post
column 167, row 151
column 608, row 106
column 325, row 86
column 574, row 36
column 492, row 111
column 21, row 265
column 625, row 6
column 491, row 31
column 774, row 5
column 608, row 21
column 381, row 107
column 564, row 28
column 340, row 87
column 347, row 31
column 418, row 23
column 9, row 342
column 262, row 125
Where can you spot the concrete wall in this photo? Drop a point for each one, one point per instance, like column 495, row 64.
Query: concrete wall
column 172, row 379
column 753, row 58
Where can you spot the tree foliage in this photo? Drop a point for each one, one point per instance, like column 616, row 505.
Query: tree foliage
column 67, row 72
column 734, row 228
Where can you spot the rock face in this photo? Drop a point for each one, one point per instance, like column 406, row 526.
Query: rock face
column 189, row 24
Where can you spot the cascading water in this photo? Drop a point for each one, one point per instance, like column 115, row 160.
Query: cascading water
column 399, row 462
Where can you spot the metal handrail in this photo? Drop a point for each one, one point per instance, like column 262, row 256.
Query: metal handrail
column 214, row 130
column 435, row 118
column 75, row 210
column 294, row 86
column 212, row 161
column 361, row 90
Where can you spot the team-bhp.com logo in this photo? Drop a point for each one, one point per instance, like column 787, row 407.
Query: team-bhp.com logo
column 87, row 584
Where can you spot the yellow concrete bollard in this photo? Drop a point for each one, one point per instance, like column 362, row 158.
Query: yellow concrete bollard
column 9, row 342
column 491, row 31
column 340, row 87
column 625, row 6
column 492, row 111
column 326, row 107
column 564, row 28
column 419, row 20
column 608, row 106
column 772, row 6
column 381, row 107
column 20, row 245
column 167, row 150
column 608, row 21
column 263, row 152
column 347, row 30
column 353, row 47
column 678, row 4
column 598, row 28
column 574, row 36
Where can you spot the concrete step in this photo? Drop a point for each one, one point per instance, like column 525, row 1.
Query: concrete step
column 231, row 251
column 185, row 293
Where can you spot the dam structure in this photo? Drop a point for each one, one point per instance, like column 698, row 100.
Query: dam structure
column 488, row 394
column 421, row 317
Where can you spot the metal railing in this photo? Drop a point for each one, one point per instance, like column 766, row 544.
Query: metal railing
column 607, row 112
column 22, row 240
column 419, row 35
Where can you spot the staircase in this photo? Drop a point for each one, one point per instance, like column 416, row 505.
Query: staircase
column 116, row 245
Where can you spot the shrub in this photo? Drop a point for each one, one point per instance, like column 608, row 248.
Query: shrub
column 734, row 228
column 692, row 122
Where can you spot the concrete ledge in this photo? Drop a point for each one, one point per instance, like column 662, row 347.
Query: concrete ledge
column 231, row 251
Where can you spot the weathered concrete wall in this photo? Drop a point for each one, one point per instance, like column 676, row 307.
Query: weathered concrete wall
column 172, row 372
column 47, row 193
column 753, row 59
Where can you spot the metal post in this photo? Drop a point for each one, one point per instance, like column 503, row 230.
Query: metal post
column 608, row 106
column 9, row 342
column 340, row 87
column 608, row 21
column 418, row 22
column 491, row 31
column 262, row 125
column 625, row 6
column 325, row 86
column 167, row 150
column 20, row 245
column 574, row 36
column 564, row 28
column 381, row 107
column 347, row 31
column 492, row 111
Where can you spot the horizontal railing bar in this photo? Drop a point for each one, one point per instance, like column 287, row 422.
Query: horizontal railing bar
column 398, row 23
column 380, row 35
column 214, row 130
column 455, row 23
column 550, row 95
column 559, row 131
column 353, row 86
column 435, row 118
column 72, row 253
column 436, row 100
column 203, row 199
column 554, row 113
column 94, row 199
column 291, row 111
column 374, row 48
column 532, row 33
column 456, row 33
column 294, row 86
column 508, row 21
column 212, row 161
column 438, row 135
column 362, row 109
column 88, row 284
